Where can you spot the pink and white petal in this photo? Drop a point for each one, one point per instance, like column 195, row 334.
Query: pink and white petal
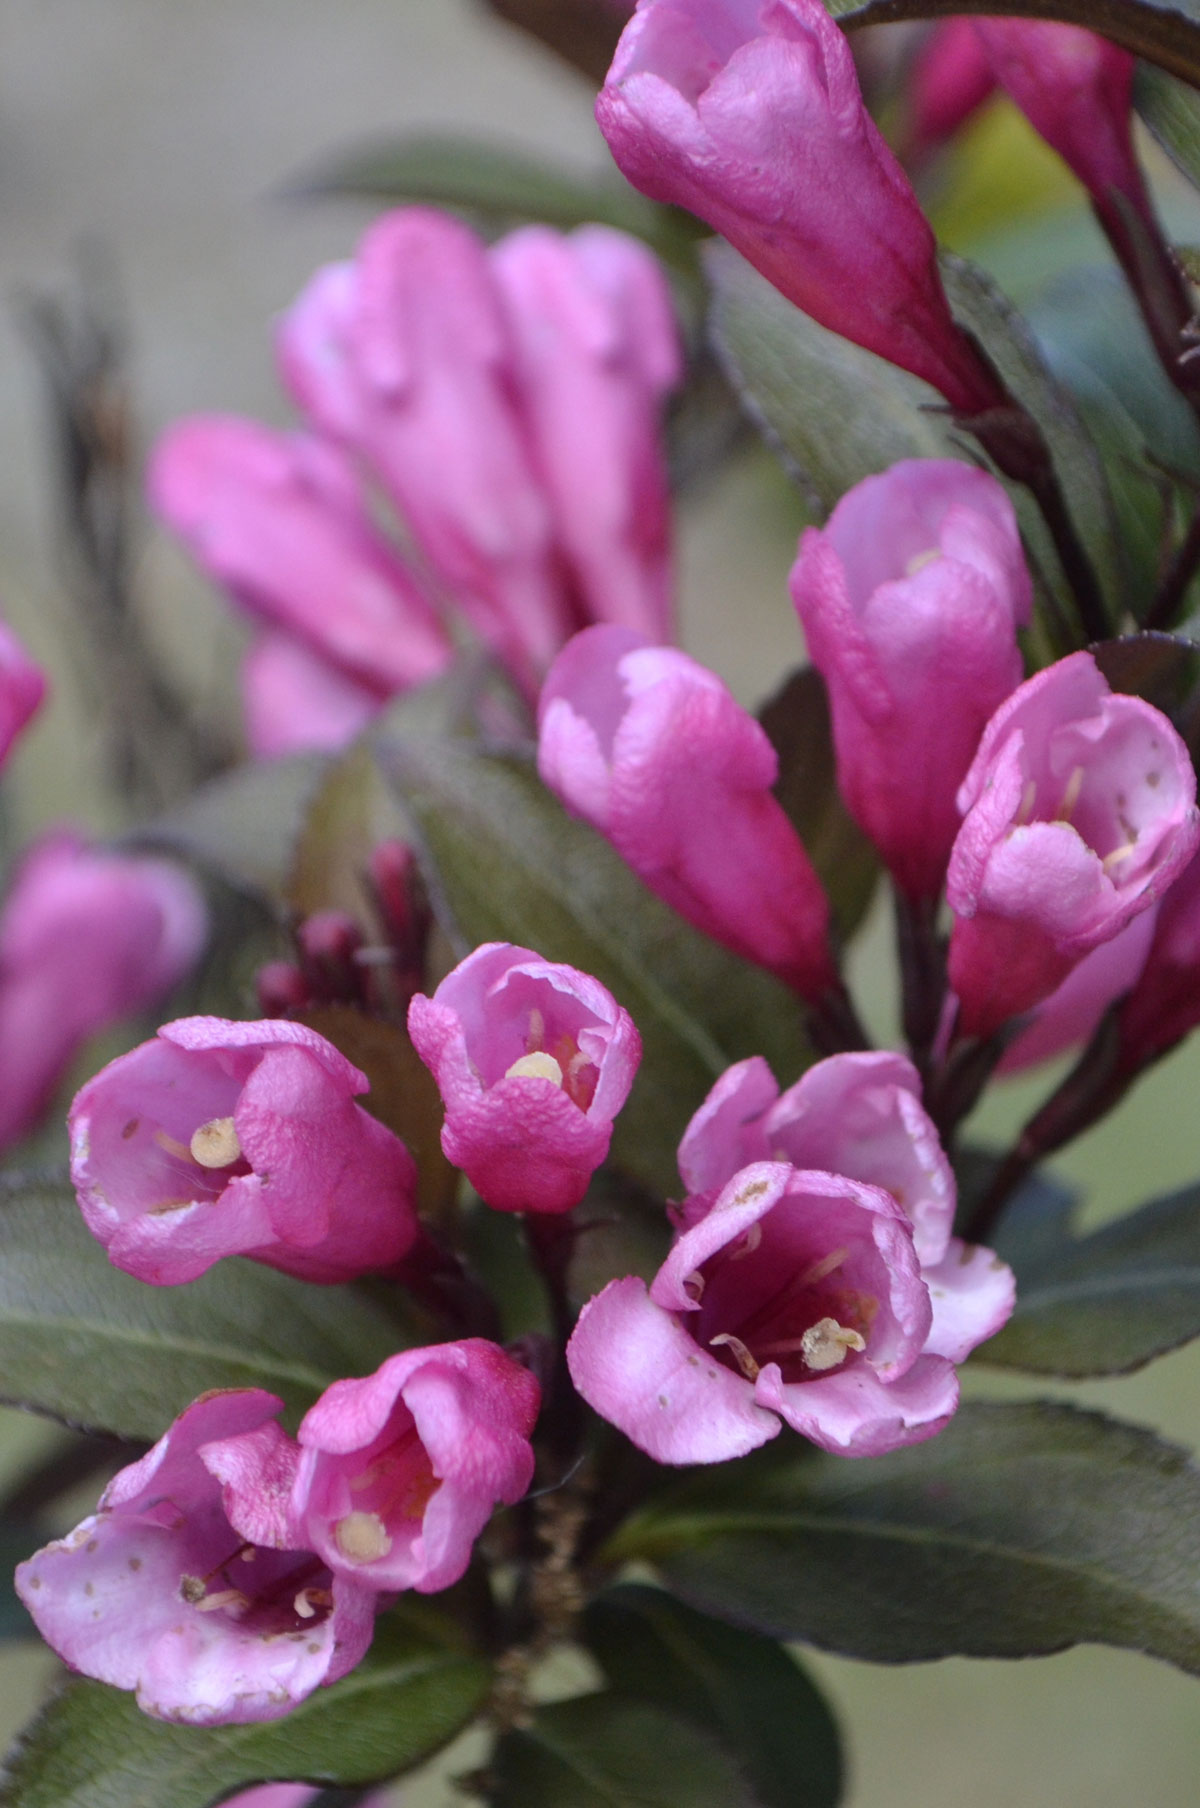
column 725, row 1133
column 638, row 1368
column 855, row 1413
column 973, row 1293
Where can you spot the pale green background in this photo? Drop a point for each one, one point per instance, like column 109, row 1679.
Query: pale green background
column 168, row 130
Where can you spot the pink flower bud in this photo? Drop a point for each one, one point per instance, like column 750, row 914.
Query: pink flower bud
column 290, row 1795
column 951, row 78
column 861, row 1116
column 910, row 597
column 399, row 1473
column 294, row 701
column 167, row 1591
column 797, row 1297
column 653, row 751
column 1073, row 1012
column 1164, row 1004
column 1078, row 812
column 1076, row 91
column 533, row 1061
column 596, row 352
column 87, row 938
column 279, row 521
column 221, row 1139
column 282, row 989
column 411, row 357
column 748, row 112
column 22, row 688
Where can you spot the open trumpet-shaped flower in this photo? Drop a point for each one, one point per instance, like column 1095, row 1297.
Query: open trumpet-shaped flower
column 748, row 113
column 222, row 1139
column 858, row 1115
column 652, row 749
column 400, row 1472
column 533, row 1060
column 1078, row 812
column 208, row 1614
column 797, row 1297
column 911, row 596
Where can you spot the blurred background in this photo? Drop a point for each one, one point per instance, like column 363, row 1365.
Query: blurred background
column 170, row 141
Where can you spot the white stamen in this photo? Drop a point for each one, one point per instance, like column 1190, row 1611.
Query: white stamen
column 1070, row 795
column 819, row 1270
column 740, row 1353
column 362, row 1537
column 748, row 1244
column 309, row 1600
column 232, row 1598
column 538, row 1066
column 826, row 1345
column 172, row 1145
column 215, row 1144
column 1119, row 853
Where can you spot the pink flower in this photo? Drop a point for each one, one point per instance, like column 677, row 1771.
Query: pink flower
column 1073, row 1012
column 596, row 353
column 221, row 1139
column 911, row 596
column 87, row 938
column 212, row 1618
column 860, row 1116
column 796, row 1297
column 399, row 1473
column 295, row 701
column 533, row 1061
column 289, row 1795
column 412, row 359
column 22, row 688
column 1164, row 1003
column 280, row 522
column 654, row 752
column 748, row 113
column 1075, row 88
column 1078, row 812
column 950, row 80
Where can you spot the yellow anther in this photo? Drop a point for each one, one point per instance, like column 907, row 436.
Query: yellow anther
column 362, row 1537
column 826, row 1345
column 919, row 560
column 538, row 1066
column 215, row 1144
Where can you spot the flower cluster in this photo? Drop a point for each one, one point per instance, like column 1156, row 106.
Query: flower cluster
column 1037, row 821
column 506, row 403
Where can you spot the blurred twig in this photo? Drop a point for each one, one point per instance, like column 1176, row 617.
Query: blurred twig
column 155, row 747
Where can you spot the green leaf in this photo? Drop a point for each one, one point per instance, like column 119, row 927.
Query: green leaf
column 83, row 1342
column 1164, row 669
column 500, row 184
column 606, row 1751
column 738, row 1684
column 93, row 1748
column 508, row 864
column 797, row 720
column 348, row 814
column 980, row 307
column 1093, row 338
column 1164, row 31
column 1171, row 109
column 1109, row 1302
column 245, row 825
column 833, row 412
column 1019, row 1530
